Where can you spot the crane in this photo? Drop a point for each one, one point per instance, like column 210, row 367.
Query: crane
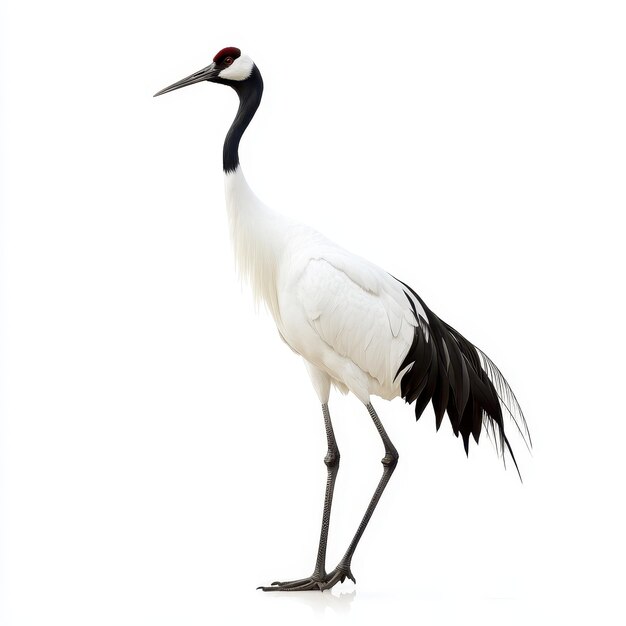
column 357, row 328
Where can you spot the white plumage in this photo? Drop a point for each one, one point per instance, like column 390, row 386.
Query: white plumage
column 357, row 327
column 349, row 319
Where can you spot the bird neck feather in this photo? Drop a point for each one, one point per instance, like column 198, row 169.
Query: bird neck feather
column 249, row 92
column 258, row 236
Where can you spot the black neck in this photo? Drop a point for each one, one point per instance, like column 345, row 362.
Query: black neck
column 249, row 92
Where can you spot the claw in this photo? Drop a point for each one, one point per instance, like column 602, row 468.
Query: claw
column 303, row 587
column 339, row 574
column 290, row 583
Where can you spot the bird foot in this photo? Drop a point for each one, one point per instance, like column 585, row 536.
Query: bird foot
column 316, row 582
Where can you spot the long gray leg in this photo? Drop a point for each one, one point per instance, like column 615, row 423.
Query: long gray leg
column 332, row 465
column 389, row 461
column 318, row 578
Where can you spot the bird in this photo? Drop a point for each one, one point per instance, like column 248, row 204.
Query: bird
column 358, row 329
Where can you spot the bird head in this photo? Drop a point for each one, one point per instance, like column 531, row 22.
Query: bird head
column 229, row 67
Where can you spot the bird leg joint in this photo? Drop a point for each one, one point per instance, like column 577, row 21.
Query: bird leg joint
column 390, row 459
column 332, row 458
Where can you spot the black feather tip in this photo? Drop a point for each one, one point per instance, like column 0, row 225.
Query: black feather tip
column 460, row 380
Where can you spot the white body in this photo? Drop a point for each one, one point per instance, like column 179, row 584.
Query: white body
column 349, row 319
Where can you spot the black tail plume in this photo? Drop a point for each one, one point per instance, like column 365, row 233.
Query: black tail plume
column 460, row 380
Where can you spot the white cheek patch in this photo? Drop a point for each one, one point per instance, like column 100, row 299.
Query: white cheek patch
column 239, row 70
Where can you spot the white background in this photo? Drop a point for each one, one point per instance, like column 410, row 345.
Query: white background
column 161, row 449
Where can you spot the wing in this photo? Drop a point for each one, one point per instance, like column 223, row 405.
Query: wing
column 359, row 311
column 386, row 329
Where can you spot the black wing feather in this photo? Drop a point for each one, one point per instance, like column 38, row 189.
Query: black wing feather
column 460, row 380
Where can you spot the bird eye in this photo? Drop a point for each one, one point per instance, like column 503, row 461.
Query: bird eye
column 228, row 60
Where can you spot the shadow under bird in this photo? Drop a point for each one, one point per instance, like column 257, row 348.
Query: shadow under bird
column 357, row 327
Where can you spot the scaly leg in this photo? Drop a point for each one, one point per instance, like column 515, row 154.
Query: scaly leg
column 320, row 580
column 389, row 461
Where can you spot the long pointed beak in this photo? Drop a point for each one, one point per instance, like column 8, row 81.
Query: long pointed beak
column 208, row 73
